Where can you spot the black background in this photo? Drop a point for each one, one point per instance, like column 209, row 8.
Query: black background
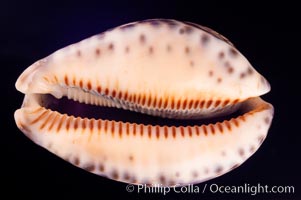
column 267, row 35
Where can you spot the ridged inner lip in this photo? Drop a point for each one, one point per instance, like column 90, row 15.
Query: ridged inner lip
column 83, row 110
column 67, row 110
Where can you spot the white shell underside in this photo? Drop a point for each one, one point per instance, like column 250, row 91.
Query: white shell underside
column 164, row 68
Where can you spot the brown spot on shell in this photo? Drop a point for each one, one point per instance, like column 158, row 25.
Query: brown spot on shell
column 195, row 174
column 267, row 120
column 78, row 53
column 153, row 22
column 181, row 30
column 230, row 70
column 233, row 52
column 142, row 38
column 219, row 80
column 114, row 175
column 126, row 176
column 218, row 169
column 188, row 29
column 187, row 50
column 111, row 46
column 97, row 51
column 89, row 167
column 250, row 70
column 168, row 48
column 241, row 152
column 162, row 179
column 127, row 49
column 204, row 39
column 76, row 161
column 261, row 139
column 221, row 55
column 150, row 50
column 101, row 167
column 242, row 75
column 210, row 73
column 81, row 84
column 252, row 149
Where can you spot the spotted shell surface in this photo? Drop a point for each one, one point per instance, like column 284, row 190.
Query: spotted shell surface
column 159, row 67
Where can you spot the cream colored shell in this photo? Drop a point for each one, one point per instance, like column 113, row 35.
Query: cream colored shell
column 165, row 68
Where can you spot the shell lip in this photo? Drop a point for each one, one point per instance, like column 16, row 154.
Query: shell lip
column 75, row 109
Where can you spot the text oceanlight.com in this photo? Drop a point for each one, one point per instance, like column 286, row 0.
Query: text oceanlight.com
column 211, row 188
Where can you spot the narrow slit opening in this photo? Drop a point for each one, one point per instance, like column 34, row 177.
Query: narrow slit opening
column 71, row 107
